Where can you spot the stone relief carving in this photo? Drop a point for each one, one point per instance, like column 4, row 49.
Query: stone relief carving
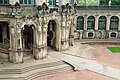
column 45, row 28
column 100, row 35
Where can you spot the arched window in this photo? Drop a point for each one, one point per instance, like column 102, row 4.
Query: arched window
column 52, row 2
column 80, row 23
column 71, row 2
column 102, row 23
column 27, row 2
column 4, row 2
column 114, row 23
column 91, row 23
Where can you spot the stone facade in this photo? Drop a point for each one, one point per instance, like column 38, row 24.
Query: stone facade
column 30, row 29
column 97, row 13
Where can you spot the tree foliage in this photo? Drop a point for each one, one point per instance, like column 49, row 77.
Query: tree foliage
column 88, row 2
column 115, row 2
column 106, row 2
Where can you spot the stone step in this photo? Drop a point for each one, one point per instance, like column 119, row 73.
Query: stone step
column 53, row 70
column 36, row 73
column 30, row 68
column 45, row 65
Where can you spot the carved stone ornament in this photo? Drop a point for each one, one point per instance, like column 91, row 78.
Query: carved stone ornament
column 19, row 24
column 45, row 28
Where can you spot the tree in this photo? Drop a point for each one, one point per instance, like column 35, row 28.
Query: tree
column 87, row 2
column 115, row 2
column 104, row 2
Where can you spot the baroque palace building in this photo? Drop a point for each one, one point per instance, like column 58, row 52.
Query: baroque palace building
column 27, row 27
column 98, row 22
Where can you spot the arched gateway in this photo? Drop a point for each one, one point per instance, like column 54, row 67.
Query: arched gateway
column 31, row 36
column 53, row 34
column 28, row 38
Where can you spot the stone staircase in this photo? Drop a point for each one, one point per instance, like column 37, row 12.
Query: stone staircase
column 29, row 72
column 85, row 51
column 81, row 50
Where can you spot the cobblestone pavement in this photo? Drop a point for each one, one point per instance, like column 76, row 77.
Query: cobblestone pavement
column 77, row 75
column 104, row 56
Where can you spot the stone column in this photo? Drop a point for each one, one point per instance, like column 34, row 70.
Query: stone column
column 108, row 23
column 96, row 26
column 96, row 22
column 38, row 54
column 85, row 22
column 44, row 41
column 119, row 24
column 58, row 36
column 119, row 28
column 85, row 26
column 72, row 33
column 16, row 54
column 63, row 36
column 108, row 26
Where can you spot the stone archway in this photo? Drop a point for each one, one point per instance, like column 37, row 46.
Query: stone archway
column 28, row 39
column 1, row 34
column 4, row 33
column 52, row 35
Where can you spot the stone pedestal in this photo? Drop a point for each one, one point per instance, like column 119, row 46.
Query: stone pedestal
column 16, row 57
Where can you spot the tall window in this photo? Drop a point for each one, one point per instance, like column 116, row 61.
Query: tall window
column 102, row 23
column 91, row 23
column 80, row 23
column 26, row 2
column 4, row 1
column 52, row 2
column 71, row 2
column 114, row 23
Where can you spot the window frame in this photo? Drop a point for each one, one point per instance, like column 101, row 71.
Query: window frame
column 32, row 2
column 91, row 23
column 80, row 23
column 3, row 2
column 114, row 23
column 102, row 23
column 52, row 2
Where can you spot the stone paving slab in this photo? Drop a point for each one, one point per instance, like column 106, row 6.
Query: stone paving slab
column 81, row 50
column 29, row 62
column 91, row 65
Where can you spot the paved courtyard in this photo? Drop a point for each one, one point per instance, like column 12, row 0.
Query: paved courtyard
column 106, row 57
column 102, row 55
column 77, row 75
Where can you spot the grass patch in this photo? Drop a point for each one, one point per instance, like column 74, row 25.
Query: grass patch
column 114, row 49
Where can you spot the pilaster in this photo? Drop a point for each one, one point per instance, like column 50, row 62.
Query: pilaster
column 96, row 22
column 85, row 22
column 108, row 23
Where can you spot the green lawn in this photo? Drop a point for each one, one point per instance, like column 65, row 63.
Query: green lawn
column 114, row 49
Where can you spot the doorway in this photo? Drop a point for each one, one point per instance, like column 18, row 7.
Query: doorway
column 27, row 39
column 4, row 33
column 51, row 34
column 1, row 35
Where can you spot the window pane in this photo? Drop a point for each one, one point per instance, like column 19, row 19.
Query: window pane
column 91, row 23
column 21, row 1
column 114, row 22
column 1, row 1
column 25, row 1
column 5, row 1
column 52, row 2
column 80, row 23
column 29, row 1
